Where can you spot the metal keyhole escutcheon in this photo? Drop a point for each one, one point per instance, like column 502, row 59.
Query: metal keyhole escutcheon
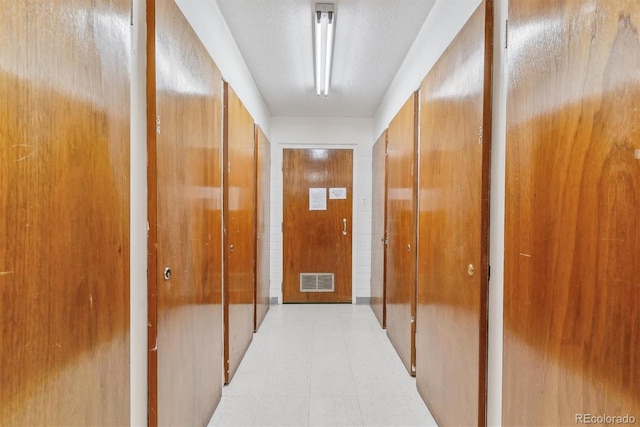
column 167, row 273
column 470, row 269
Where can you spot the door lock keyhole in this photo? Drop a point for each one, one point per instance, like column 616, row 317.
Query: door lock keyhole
column 471, row 270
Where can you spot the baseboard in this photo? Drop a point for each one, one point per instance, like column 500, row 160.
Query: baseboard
column 359, row 300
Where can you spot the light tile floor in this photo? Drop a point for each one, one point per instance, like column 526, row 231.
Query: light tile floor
column 321, row 365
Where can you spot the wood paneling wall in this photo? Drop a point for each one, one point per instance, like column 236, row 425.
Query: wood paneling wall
column 455, row 124
column 378, row 228
column 64, row 213
column 401, row 204
column 185, row 188
column 572, row 238
column 240, row 226
column 263, row 228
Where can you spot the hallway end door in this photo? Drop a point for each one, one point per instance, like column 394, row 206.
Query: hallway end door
column 317, row 226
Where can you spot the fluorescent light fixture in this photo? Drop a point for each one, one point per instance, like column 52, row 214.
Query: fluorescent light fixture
column 324, row 29
column 318, row 51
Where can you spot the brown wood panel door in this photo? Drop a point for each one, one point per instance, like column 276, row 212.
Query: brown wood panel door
column 64, row 213
column 572, row 237
column 185, row 185
column 263, row 229
column 401, row 232
column 378, row 227
column 317, row 228
column 240, row 226
column 453, row 222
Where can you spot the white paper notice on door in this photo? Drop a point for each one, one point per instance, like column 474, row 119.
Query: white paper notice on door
column 338, row 193
column 317, row 199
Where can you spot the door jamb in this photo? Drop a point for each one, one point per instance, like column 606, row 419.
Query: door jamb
column 152, row 196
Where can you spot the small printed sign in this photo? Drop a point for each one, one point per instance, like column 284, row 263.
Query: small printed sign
column 338, row 193
column 317, row 199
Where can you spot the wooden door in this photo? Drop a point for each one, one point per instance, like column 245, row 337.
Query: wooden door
column 185, row 217
column 401, row 232
column 64, row 213
column 240, row 226
column 317, row 228
column 572, row 237
column 455, row 124
column 378, row 228
column 263, row 229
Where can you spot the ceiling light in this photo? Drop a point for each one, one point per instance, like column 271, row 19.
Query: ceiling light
column 324, row 29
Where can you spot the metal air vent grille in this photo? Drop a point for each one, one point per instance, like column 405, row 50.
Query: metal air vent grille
column 317, row 282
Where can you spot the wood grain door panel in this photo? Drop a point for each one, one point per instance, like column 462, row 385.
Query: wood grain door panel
column 572, row 236
column 240, row 226
column 263, row 229
column 401, row 203
column 317, row 241
column 64, row 213
column 378, row 228
column 455, row 121
column 185, row 183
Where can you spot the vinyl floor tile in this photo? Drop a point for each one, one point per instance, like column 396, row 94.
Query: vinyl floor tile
column 321, row 365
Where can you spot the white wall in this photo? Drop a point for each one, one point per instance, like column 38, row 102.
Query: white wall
column 311, row 132
column 209, row 24
column 138, row 218
column 497, row 209
column 441, row 26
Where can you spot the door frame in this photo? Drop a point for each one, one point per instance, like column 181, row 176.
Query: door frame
column 354, row 206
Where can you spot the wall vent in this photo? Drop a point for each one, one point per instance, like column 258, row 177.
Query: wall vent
column 316, row 282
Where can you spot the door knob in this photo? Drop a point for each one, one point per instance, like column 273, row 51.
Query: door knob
column 167, row 273
column 232, row 248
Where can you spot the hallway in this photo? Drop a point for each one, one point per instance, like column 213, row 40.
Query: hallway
column 466, row 172
column 321, row 365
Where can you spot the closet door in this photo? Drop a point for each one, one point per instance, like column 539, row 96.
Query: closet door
column 455, row 124
column 263, row 229
column 378, row 223
column 400, row 295
column 572, row 237
column 240, row 227
column 185, row 235
column 64, row 212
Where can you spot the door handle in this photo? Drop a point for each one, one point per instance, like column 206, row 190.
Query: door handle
column 344, row 226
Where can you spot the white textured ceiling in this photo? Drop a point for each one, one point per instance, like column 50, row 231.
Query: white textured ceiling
column 372, row 37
